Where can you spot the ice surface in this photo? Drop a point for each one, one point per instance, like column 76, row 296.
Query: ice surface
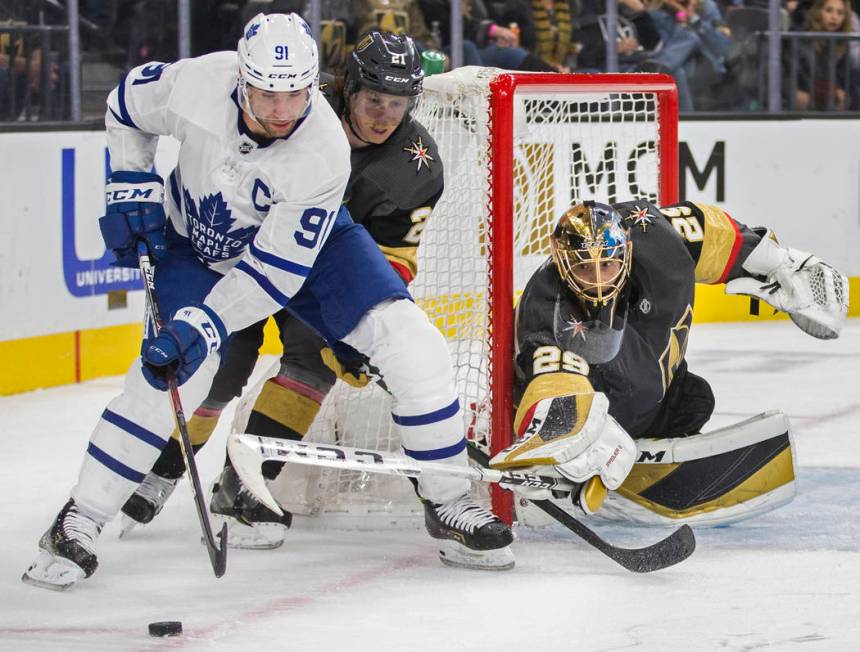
column 787, row 581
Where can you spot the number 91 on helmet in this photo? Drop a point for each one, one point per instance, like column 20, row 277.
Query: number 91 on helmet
column 278, row 71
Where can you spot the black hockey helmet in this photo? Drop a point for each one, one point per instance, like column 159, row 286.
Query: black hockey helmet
column 387, row 63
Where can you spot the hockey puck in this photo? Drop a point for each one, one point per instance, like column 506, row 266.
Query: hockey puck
column 165, row 628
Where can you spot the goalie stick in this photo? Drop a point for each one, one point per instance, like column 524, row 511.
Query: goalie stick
column 667, row 552
column 248, row 452
column 217, row 555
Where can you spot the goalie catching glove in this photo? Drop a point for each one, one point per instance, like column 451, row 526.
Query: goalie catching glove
column 578, row 439
column 814, row 294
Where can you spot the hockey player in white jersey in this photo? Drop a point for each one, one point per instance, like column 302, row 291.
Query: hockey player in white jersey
column 253, row 222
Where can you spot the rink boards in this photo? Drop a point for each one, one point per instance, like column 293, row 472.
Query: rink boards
column 69, row 316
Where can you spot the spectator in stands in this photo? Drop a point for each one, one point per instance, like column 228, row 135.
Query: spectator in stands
column 691, row 30
column 815, row 88
column 553, row 33
column 396, row 17
column 485, row 41
column 148, row 28
column 20, row 63
column 636, row 39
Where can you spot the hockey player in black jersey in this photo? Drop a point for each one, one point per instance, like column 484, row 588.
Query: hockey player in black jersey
column 396, row 180
column 601, row 332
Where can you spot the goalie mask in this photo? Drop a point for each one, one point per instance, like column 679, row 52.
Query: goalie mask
column 278, row 56
column 592, row 253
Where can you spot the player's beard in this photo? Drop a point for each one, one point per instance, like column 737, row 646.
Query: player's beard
column 276, row 128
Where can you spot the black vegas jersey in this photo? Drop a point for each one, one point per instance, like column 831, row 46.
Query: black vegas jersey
column 393, row 188
column 673, row 248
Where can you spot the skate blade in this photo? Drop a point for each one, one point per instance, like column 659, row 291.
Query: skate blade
column 260, row 536
column 452, row 553
column 52, row 573
column 127, row 526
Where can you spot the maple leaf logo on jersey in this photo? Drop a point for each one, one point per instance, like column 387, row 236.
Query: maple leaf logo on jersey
column 420, row 153
column 209, row 228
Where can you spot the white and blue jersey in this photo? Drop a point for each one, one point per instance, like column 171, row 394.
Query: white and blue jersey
column 255, row 226
column 252, row 211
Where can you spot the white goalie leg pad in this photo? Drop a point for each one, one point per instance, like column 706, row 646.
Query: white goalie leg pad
column 756, row 454
column 129, row 437
column 415, row 363
column 813, row 293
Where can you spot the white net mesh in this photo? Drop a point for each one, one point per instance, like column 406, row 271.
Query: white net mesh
column 568, row 145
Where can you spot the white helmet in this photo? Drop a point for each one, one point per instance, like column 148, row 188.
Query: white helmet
column 278, row 53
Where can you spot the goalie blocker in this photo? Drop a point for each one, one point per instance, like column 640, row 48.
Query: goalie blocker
column 715, row 478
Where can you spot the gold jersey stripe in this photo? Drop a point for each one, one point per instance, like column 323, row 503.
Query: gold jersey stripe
column 285, row 406
column 405, row 256
column 200, row 429
column 719, row 246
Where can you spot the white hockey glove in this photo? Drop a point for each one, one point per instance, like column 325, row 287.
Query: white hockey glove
column 814, row 294
column 599, row 454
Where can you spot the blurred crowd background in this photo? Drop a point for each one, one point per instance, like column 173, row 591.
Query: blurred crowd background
column 718, row 51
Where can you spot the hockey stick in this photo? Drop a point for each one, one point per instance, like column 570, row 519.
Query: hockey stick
column 217, row 555
column 248, row 452
column 667, row 552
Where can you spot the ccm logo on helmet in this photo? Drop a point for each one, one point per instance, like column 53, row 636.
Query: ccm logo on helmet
column 284, row 75
column 395, row 79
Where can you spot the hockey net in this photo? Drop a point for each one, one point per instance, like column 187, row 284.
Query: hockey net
column 517, row 150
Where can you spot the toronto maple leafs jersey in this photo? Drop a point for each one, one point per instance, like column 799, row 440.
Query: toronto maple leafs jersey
column 673, row 248
column 266, row 205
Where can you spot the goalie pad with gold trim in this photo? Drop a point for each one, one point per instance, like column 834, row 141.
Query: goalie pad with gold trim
column 715, row 478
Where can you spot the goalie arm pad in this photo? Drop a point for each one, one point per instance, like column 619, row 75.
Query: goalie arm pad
column 813, row 293
column 562, row 422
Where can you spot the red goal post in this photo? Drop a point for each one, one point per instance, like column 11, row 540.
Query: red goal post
column 503, row 90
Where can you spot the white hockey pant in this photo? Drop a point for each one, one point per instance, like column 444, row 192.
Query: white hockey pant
column 415, row 363
column 129, row 437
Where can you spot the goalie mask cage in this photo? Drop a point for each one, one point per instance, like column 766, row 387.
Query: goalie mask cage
column 517, row 148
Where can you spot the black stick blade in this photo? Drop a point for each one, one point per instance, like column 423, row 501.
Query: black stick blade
column 667, row 552
column 218, row 555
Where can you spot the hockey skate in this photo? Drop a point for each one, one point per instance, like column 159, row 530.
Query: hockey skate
column 67, row 551
column 250, row 524
column 470, row 536
column 146, row 502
